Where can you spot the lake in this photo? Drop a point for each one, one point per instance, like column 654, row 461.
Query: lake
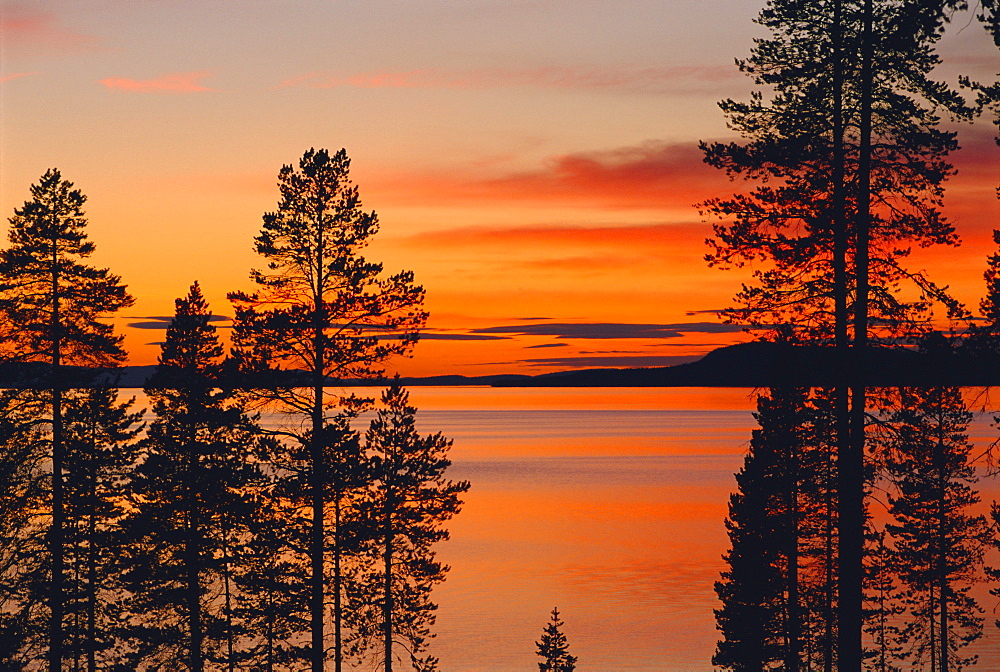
column 606, row 503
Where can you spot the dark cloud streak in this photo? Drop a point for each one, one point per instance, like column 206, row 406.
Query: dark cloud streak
column 612, row 330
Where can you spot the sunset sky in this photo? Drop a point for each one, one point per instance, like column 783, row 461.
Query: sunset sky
column 535, row 162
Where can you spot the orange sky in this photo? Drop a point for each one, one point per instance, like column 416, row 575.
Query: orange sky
column 527, row 159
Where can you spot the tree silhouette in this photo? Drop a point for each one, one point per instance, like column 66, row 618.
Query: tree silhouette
column 321, row 308
column 553, row 648
column 939, row 543
column 789, row 219
column 817, row 528
column 849, row 160
column 100, row 452
column 184, row 495
column 54, row 301
column 762, row 610
column 270, row 594
column 405, row 508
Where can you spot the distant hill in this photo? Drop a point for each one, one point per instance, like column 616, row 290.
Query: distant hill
column 766, row 364
column 754, row 364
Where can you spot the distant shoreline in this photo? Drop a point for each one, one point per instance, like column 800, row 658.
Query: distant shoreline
column 754, row 364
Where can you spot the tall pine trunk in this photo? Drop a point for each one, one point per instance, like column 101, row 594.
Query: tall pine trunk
column 852, row 469
column 58, row 510
column 337, row 585
column 92, row 553
column 228, row 597
column 841, row 340
column 387, row 604
column 316, row 541
column 316, row 446
column 193, row 553
column 942, row 552
column 794, row 635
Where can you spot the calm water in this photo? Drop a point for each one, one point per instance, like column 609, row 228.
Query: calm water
column 607, row 503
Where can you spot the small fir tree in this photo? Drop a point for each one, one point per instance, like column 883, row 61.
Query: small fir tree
column 553, row 648
column 186, row 496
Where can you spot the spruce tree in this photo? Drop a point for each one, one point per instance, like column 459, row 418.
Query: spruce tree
column 52, row 301
column 817, row 529
column 184, row 495
column 553, row 648
column 405, row 507
column 762, row 612
column 323, row 309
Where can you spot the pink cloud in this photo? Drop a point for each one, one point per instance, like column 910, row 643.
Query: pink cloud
column 28, row 30
column 16, row 75
column 182, row 82
column 608, row 240
column 654, row 80
column 651, row 175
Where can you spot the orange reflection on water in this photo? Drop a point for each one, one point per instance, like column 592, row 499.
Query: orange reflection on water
column 577, row 398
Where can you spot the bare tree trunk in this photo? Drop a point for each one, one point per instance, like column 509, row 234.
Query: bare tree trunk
column 852, row 468
column 193, row 553
column 58, row 507
column 942, row 553
column 793, row 654
column 316, row 550
column 387, row 604
column 317, row 453
column 92, row 551
column 337, row 587
column 840, row 292
column 830, row 570
column 226, row 559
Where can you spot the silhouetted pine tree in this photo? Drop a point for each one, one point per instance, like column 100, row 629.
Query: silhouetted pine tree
column 982, row 346
column 321, row 308
column 939, row 544
column 405, row 507
column 273, row 598
column 553, row 648
column 761, row 617
column 100, row 453
column 185, row 498
column 53, row 303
